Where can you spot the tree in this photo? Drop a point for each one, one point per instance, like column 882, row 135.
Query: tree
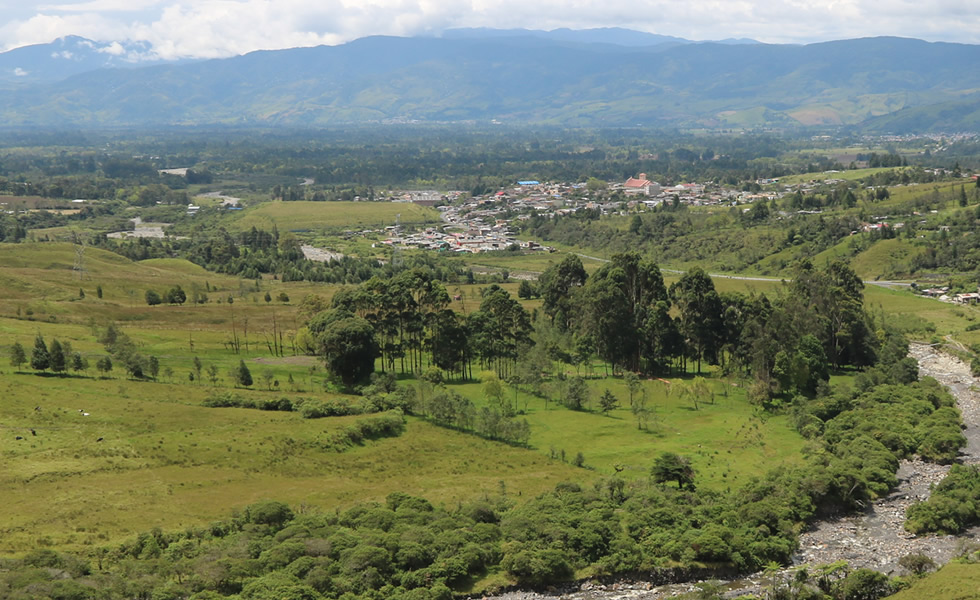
column 81, row 294
column 348, row 348
column 525, row 290
column 673, row 467
column 917, row 563
column 640, row 411
column 197, row 367
column 865, row 584
column 268, row 377
column 577, row 394
column 153, row 298
column 636, row 225
column 607, row 401
column 633, row 384
column 40, row 359
column 153, row 366
column 243, row 376
column 701, row 313
column 555, row 287
column 268, row 297
column 17, row 355
column 283, row 297
column 104, row 365
column 56, row 357
column 213, row 374
column 175, row 295
column 695, row 390
column 625, row 311
column 78, row 362
column 98, row 291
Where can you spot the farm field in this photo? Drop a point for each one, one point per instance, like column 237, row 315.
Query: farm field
column 312, row 216
column 848, row 175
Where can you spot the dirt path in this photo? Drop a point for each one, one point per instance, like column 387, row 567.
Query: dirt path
column 875, row 539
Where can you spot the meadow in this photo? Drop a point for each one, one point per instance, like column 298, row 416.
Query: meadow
column 167, row 461
column 313, row 216
column 149, row 454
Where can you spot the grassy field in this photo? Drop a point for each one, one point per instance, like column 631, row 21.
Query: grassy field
column 955, row 581
column 848, row 175
column 727, row 439
column 166, row 461
column 305, row 216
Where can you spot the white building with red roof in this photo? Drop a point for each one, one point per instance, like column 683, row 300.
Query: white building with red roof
column 641, row 185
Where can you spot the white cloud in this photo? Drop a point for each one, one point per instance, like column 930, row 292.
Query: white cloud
column 113, row 49
column 214, row 28
column 20, row 72
column 101, row 6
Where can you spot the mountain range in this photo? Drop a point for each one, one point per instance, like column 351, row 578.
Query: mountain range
column 600, row 77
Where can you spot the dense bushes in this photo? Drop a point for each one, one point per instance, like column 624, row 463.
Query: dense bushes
column 953, row 506
column 390, row 424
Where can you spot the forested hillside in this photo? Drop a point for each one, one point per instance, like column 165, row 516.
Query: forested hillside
column 565, row 83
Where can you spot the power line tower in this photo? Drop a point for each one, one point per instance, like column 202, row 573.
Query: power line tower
column 78, row 269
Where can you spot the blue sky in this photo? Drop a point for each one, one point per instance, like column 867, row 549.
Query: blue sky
column 214, row 28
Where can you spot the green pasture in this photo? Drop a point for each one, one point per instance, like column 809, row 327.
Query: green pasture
column 535, row 263
column 727, row 439
column 165, row 461
column 955, row 581
column 302, row 216
column 847, row 175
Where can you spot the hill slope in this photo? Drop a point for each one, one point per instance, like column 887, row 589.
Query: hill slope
column 519, row 80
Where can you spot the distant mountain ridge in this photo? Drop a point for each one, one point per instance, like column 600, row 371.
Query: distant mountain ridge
column 560, row 77
column 67, row 56
column 616, row 36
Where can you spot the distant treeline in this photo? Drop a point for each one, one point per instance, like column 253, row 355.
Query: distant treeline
column 251, row 254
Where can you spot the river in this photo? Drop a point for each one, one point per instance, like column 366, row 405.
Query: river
column 874, row 539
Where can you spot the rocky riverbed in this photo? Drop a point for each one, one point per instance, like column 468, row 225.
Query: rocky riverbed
column 875, row 539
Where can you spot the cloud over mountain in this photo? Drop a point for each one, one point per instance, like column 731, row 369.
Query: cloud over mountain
column 221, row 28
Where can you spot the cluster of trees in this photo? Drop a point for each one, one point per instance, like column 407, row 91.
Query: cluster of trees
column 58, row 357
column 495, row 422
column 174, row 295
column 624, row 314
column 256, row 252
column 630, row 319
column 407, row 322
column 123, row 351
